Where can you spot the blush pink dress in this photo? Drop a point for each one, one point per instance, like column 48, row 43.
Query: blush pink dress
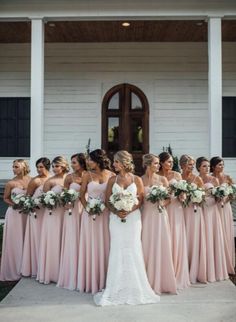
column 94, row 245
column 68, row 273
column 32, row 239
column 196, row 244
column 226, row 216
column 216, row 261
column 179, row 243
column 13, row 240
column 156, row 242
column 50, row 244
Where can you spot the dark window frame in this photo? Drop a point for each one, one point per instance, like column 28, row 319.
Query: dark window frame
column 15, row 127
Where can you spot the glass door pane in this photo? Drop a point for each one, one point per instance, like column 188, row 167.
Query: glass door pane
column 113, row 134
column 136, row 127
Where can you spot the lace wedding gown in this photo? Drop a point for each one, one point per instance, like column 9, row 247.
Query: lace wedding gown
column 126, row 281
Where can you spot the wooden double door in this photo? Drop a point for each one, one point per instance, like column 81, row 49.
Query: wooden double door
column 125, row 122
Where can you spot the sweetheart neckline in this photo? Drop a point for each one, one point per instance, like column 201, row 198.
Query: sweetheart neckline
column 123, row 187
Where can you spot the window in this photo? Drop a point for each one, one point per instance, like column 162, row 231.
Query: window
column 14, row 127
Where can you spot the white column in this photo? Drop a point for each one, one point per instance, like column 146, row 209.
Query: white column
column 215, row 86
column 37, row 91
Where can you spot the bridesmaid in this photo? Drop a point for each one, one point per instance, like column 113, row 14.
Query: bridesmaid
column 177, row 225
column 71, row 227
column 217, row 169
column 50, row 242
column 94, row 235
column 216, row 261
column 195, row 226
column 14, row 227
column 156, row 239
column 34, row 223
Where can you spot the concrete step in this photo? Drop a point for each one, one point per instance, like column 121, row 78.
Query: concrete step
column 31, row 301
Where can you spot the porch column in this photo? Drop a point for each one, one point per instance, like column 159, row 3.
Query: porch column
column 37, row 90
column 215, row 86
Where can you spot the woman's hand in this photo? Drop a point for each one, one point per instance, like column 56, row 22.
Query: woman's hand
column 182, row 197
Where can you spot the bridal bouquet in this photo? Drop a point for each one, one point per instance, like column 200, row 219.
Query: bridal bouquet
column 232, row 192
column 180, row 190
column 196, row 196
column 68, row 197
column 157, row 194
column 50, row 200
column 221, row 192
column 18, row 200
column 95, row 206
column 123, row 200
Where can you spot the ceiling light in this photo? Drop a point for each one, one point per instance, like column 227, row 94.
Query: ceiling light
column 125, row 24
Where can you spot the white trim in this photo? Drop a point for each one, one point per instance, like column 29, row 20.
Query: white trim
column 37, row 89
column 215, row 86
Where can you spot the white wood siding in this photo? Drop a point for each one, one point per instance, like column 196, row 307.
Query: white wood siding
column 172, row 75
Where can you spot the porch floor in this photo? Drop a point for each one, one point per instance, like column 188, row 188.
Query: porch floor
column 31, row 301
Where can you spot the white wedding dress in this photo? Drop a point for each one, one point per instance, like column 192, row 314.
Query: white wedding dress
column 126, row 281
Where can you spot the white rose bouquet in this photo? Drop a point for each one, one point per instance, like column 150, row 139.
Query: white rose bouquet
column 196, row 196
column 123, row 200
column 232, row 192
column 50, row 200
column 95, row 207
column 68, row 197
column 156, row 195
column 180, row 190
column 221, row 192
column 18, row 200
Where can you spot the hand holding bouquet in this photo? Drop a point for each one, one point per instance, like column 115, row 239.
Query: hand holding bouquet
column 50, row 200
column 180, row 190
column 95, row 207
column 221, row 192
column 68, row 197
column 196, row 196
column 18, row 200
column 156, row 195
column 123, row 201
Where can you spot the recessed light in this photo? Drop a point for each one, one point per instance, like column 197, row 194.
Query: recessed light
column 200, row 23
column 125, row 24
column 51, row 24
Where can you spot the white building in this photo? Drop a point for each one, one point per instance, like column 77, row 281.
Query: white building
column 171, row 67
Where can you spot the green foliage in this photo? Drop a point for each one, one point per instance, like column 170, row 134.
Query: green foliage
column 175, row 158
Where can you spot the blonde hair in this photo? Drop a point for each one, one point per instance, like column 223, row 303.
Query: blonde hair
column 25, row 166
column 126, row 159
column 60, row 160
column 184, row 159
column 148, row 159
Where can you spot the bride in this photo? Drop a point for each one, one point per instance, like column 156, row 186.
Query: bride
column 126, row 281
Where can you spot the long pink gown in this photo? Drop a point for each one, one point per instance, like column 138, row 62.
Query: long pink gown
column 68, row 273
column 196, row 244
column 50, row 244
column 179, row 243
column 13, row 240
column 226, row 216
column 216, row 261
column 94, row 245
column 32, row 239
column 156, row 242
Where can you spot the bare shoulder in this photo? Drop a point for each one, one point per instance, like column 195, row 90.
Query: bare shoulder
column 10, row 184
column 138, row 180
column 164, row 181
column 112, row 179
column 228, row 179
column 215, row 181
column 176, row 175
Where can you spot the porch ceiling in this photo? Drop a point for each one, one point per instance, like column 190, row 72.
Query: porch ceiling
column 113, row 31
